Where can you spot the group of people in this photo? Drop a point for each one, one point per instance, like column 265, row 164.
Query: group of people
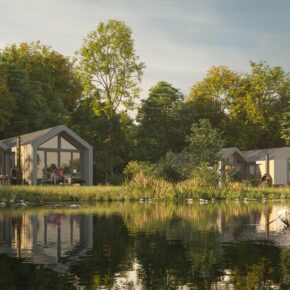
column 57, row 175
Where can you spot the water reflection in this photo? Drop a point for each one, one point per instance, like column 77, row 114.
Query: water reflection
column 145, row 246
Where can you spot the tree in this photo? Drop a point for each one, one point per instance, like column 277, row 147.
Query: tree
column 257, row 108
column 285, row 125
column 93, row 128
column 110, row 72
column 6, row 100
column 211, row 97
column 247, row 107
column 43, row 84
column 204, row 144
column 160, row 126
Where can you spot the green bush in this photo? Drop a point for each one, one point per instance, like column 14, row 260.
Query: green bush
column 207, row 176
column 134, row 168
column 173, row 167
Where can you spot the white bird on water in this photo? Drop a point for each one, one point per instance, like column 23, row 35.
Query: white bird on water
column 284, row 215
column 74, row 206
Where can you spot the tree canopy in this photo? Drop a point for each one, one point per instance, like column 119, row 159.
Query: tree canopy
column 247, row 107
column 160, row 123
column 41, row 88
column 204, row 144
column 110, row 73
column 110, row 69
column 40, row 85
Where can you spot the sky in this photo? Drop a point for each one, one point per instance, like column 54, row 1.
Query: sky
column 179, row 40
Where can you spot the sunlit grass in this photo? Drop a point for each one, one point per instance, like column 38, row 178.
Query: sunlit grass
column 62, row 193
column 143, row 187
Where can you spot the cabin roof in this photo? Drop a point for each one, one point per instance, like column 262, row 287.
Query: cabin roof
column 41, row 136
column 228, row 152
column 274, row 153
column 26, row 138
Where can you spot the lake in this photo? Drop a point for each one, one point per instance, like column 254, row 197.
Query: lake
column 145, row 245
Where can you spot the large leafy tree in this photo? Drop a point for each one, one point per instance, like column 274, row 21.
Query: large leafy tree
column 257, row 108
column 43, row 85
column 6, row 100
column 211, row 97
column 160, row 127
column 111, row 73
column 204, row 144
column 285, row 125
column 246, row 107
column 93, row 128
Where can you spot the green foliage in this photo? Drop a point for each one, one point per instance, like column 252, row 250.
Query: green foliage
column 285, row 125
column 246, row 107
column 134, row 168
column 6, row 100
column 110, row 73
column 174, row 167
column 41, row 87
column 109, row 68
column 205, row 176
column 139, row 187
column 232, row 174
column 211, row 97
column 93, row 128
column 256, row 111
column 160, row 126
column 204, row 144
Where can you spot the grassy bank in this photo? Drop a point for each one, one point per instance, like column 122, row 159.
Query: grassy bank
column 61, row 193
column 155, row 188
column 197, row 188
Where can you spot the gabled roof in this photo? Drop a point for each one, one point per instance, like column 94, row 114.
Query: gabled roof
column 41, row 136
column 274, row 154
column 26, row 138
column 3, row 146
column 228, row 152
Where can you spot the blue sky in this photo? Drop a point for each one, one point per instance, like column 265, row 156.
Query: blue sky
column 179, row 40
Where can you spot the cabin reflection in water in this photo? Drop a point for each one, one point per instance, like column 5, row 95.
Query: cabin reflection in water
column 256, row 226
column 52, row 239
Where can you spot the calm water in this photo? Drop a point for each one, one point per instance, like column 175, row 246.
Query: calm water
column 145, row 246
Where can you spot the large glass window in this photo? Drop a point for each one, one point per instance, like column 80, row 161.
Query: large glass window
column 65, row 162
column 52, row 143
column 76, row 163
column 57, row 152
column 40, row 166
column 51, row 164
column 254, row 171
column 66, row 145
column 12, row 160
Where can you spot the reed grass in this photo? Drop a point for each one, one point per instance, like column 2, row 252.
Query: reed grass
column 62, row 193
column 139, row 188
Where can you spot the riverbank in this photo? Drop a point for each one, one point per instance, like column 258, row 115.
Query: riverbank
column 161, row 190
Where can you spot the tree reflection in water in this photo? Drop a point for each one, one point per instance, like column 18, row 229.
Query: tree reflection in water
column 144, row 246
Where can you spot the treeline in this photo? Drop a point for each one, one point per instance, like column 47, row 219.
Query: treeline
column 94, row 94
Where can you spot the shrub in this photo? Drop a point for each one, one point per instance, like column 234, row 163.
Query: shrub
column 173, row 167
column 134, row 168
column 206, row 176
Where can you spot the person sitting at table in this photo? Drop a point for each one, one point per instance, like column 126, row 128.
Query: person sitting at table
column 58, row 176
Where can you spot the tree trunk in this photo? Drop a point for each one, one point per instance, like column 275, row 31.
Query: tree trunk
column 110, row 147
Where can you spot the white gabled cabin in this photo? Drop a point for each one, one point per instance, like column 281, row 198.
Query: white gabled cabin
column 35, row 154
